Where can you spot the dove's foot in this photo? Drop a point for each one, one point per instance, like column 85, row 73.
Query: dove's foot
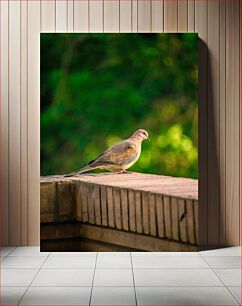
column 119, row 172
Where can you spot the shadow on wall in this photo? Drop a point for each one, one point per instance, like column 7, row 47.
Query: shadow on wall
column 210, row 226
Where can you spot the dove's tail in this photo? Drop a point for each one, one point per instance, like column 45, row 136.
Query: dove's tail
column 82, row 170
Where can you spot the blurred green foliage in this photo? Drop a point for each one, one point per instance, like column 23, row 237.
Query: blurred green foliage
column 97, row 89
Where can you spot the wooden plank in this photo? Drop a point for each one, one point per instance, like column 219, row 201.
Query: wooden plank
column 14, row 122
column 190, row 222
column 79, row 201
column 157, row 14
column 97, row 205
column 240, row 123
column 195, row 207
column 117, row 208
column 167, row 217
column 65, row 200
column 84, row 203
column 48, row 16
column 90, row 203
column 182, row 214
column 70, row 15
column 61, row 16
column 48, row 202
column 138, row 212
column 160, row 216
column 125, row 16
column 144, row 16
column 110, row 207
column 232, row 122
column 104, row 205
column 174, row 219
column 134, row 15
column 4, row 122
column 191, row 15
column 201, row 28
column 111, row 16
column 222, row 114
column 145, row 213
column 133, row 241
column 183, row 15
column 131, row 203
column 96, row 16
column 23, row 124
column 56, row 232
column 152, row 214
column 33, row 122
column 213, row 123
column 170, row 16
column 125, row 209
column 81, row 16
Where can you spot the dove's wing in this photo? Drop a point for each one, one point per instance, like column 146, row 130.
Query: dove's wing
column 119, row 154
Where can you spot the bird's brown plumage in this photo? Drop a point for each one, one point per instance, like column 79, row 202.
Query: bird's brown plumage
column 118, row 157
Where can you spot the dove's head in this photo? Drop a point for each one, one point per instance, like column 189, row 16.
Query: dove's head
column 140, row 135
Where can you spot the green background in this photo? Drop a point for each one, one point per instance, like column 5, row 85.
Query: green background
column 97, row 89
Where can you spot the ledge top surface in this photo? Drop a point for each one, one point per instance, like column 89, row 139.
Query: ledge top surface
column 159, row 184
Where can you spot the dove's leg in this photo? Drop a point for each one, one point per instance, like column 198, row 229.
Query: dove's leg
column 118, row 172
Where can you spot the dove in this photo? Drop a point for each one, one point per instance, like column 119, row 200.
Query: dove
column 119, row 157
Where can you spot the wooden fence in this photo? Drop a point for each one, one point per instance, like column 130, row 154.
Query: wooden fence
column 165, row 208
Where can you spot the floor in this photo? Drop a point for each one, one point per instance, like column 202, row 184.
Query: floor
column 30, row 277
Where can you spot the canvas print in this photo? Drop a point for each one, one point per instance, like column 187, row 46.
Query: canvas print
column 119, row 142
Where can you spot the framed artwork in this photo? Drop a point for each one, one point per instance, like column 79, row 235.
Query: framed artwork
column 119, row 142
